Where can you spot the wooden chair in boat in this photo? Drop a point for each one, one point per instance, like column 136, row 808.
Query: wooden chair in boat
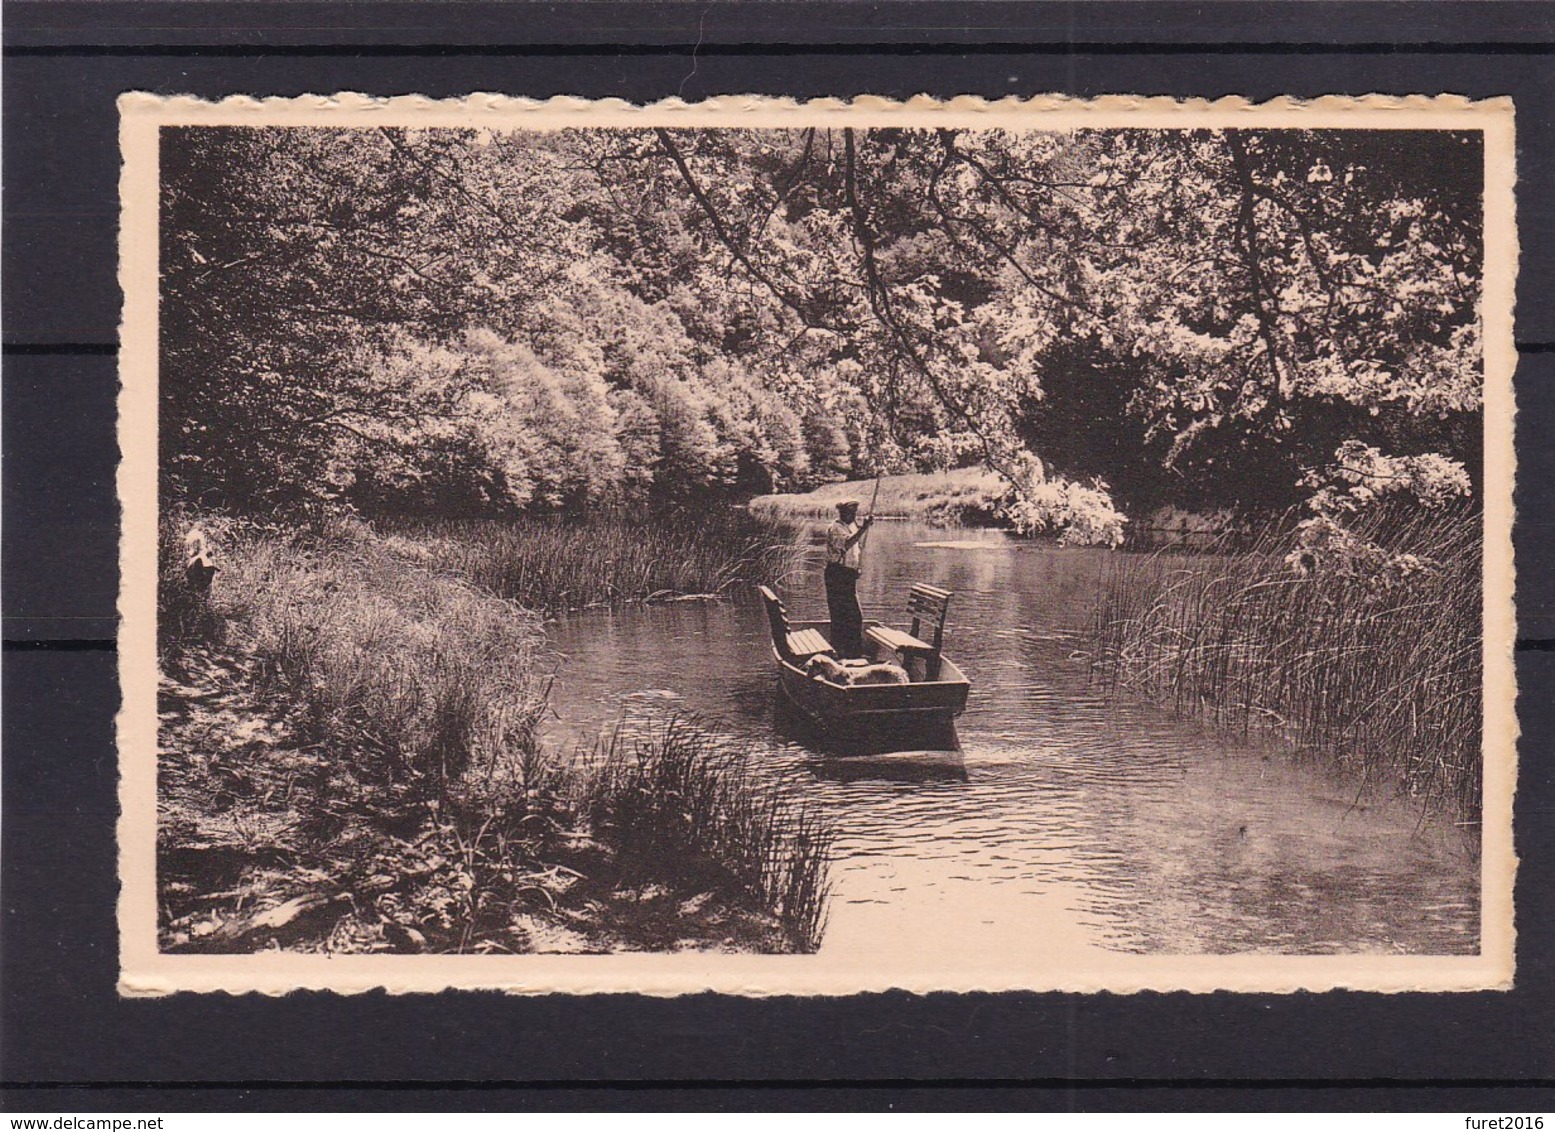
column 927, row 606
column 796, row 648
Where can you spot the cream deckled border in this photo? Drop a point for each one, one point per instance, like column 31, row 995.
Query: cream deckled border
column 144, row 971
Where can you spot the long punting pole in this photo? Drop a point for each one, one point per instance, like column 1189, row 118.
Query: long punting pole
column 864, row 542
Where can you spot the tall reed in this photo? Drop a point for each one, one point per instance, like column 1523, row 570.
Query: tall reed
column 678, row 798
column 1379, row 673
column 607, row 559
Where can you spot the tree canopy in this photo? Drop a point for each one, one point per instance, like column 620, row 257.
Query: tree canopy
column 1114, row 320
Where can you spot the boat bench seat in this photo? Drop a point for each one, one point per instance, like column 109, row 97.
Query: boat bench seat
column 897, row 640
column 796, row 648
column 807, row 643
column 926, row 605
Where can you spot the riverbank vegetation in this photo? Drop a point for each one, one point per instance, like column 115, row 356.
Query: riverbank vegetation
column 1067, row 512
column 556, row 564
column 351, row 762
column 1371, row 659
column 961, row 497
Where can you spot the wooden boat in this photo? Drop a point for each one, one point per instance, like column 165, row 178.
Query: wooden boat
column 936, row 691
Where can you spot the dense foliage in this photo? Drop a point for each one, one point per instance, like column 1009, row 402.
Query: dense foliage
column 468, row 321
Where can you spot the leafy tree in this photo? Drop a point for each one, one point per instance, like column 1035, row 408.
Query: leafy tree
column 479, row 319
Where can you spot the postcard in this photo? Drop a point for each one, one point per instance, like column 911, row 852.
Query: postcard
column 785, row 548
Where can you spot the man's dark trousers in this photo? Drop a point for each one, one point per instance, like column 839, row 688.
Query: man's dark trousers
column 847, row 619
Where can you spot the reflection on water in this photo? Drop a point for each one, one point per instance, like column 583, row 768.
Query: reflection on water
column 1061, row 818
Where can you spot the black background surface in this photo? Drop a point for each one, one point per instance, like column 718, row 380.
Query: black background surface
column 68, row 1043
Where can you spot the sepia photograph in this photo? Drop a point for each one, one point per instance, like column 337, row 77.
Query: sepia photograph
column 812, row 548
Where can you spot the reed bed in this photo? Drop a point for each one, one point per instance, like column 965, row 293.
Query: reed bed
column 680, row 798
column 1380, row 672
column 555, row 565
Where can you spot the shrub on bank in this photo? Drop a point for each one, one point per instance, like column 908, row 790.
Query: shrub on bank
column 1070, row 512
column 1373, row 660
column 185, row 613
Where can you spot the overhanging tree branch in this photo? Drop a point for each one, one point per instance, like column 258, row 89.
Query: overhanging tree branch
column 1247, row 223
column 952, row 153
column 880, row 302
column 790, row 300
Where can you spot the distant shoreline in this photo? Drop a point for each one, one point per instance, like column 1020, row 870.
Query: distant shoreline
column 963, row 497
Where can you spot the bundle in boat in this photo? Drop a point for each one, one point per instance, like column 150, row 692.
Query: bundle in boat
column 853, row 672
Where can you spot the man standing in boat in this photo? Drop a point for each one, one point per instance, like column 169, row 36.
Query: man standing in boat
column 842, row 571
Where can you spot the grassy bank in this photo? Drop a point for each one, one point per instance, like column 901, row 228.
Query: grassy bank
column 1379, row 673
column 609, row 559
column 964, row 497
column 350, row 762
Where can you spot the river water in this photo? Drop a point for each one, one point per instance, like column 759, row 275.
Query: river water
column 1076, row 824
